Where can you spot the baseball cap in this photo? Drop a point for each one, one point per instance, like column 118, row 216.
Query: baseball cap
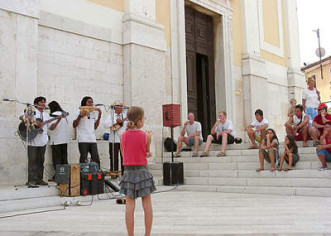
column 321, row 106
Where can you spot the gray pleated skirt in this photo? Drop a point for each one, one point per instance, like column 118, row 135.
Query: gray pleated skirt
column 137, row 182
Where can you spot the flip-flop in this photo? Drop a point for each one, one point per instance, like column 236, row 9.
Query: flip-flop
column 221, row 154
column 253, row 147
column 259, row 169
column 288, row 169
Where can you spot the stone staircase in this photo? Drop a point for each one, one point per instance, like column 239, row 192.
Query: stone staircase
column 235, row 173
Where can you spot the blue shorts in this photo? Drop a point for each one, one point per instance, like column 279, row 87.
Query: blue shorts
column 311, row 112
column 191, row 142
column 325, row 153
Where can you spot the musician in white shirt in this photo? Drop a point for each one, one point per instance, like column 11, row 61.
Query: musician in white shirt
column 37, row 146
column 59, row 135
column 86, row 122
column 116, row 123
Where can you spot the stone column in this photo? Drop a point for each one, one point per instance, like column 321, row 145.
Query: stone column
column 18, row 80
column 296, row 79
column 144, row 56
column 253, row 68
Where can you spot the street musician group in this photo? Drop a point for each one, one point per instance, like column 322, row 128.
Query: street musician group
column 38, row 128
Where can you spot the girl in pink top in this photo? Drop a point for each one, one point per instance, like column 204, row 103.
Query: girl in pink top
column 136, row 180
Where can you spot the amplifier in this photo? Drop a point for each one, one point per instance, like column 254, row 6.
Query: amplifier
column 173, row 173
column 89, row 168
column 92, row 184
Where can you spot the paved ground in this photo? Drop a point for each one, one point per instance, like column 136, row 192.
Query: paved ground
column 185, row 213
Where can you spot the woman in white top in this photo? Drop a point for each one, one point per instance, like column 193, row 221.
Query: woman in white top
column 310, row 100
column 59, row 136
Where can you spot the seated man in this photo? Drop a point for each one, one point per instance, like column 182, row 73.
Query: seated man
column 324, row 149
column 194, row 135
column 221, row 133
column 297, row 125
column 318, row 123
column 257, row 129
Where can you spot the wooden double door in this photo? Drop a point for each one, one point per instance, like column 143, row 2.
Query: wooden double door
column 200, row 68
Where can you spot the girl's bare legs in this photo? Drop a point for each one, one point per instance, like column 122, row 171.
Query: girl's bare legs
column 282, row 158
column 272, row 160
column 261, row 157
column 129, row 214
column 147, row 205
column 290, row 160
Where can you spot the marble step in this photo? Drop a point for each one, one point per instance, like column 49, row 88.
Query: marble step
column 244, row 152
column 288, row 191
column 267, row 182
column 252, row 174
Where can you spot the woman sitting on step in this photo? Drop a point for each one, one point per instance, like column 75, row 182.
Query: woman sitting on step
column 290, row 155
column 269, row 150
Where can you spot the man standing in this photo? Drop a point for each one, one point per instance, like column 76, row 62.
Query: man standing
column 37, row 146
column 115, row 122
column 319, row 122
column 297, row 125
column 221, row 133
column 86, row 122
column 194, row 135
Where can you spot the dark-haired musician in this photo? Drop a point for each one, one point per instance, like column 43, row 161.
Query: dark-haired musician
column 37, row 146
column 58, row 135
column 88, row 119
column 115, row 122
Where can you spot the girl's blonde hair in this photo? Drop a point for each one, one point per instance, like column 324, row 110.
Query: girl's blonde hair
column 134, row 115
column 293, row 100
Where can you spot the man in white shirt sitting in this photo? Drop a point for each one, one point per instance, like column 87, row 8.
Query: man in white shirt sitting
column 221, row 133
column 297, row 125
column 257, row 129
column 194, row 135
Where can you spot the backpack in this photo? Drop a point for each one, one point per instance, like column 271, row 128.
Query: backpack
column 167, row 144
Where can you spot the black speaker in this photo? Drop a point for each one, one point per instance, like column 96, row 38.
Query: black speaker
column 173, row 173
column 97, row 184
column 62, row 175
column 85, row 184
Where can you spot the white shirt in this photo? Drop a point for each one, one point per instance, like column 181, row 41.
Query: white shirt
column 226, row 126
column 42, row 138
column 297, row 120
column 109, row 122
column 311, row 98
column 85, row 128
column 192, row 129
column 59, row 135
column 257, row 124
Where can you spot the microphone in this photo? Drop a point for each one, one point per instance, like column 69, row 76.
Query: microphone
column 5, row 100
column 98, row 105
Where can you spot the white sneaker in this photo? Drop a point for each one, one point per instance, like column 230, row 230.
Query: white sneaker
column 322, row 168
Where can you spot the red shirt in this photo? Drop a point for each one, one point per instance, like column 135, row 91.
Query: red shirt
column 318, row 120
column 134, row 143
column 328, row 141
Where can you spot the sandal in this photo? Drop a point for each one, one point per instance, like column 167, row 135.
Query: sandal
column 259, row 169
column 252, row 147
column 204, row 154
column 177, row 154
column 195, row 154
column 287, row 169
column 279, row 169
column 272, row 169
column 221, row 154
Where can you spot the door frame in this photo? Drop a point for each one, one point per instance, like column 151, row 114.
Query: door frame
column 223, row 53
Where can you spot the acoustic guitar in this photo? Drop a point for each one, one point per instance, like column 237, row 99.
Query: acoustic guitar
column 33, row 131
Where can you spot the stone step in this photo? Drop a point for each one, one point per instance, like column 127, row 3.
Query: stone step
column 229, row 159
column 23, row 192
column 241, row 146
column 288, row 191
column 244, row 152
column 252, row 174
column 266, row 182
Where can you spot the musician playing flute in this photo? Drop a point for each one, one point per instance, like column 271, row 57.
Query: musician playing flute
column 37, row 146
column 86, row 122
column 115, row 122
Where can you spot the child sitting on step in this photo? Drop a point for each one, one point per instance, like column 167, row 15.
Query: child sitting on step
column 290, row 155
